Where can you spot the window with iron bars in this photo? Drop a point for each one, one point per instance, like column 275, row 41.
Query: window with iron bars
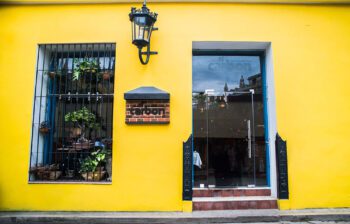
column 73, row 113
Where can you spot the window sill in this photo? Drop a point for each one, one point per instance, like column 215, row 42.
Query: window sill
column 72, row 182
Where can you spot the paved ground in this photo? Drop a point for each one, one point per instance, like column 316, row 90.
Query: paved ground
column 307, row 216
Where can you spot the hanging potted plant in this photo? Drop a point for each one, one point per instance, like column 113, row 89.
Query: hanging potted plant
column 85, row 67
column 52, row 74
column 44, row 127
column 106, row 75
column 91, row 168
column 56, row 71
column 85, row 120
column 53, row 68
column 48, row 172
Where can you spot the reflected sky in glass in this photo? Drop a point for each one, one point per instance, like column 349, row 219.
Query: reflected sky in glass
column 212, row 72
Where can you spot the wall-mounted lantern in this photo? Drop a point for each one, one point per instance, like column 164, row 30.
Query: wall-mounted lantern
column 142, row 21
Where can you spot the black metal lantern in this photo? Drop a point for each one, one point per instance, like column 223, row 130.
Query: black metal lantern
column 142, row 21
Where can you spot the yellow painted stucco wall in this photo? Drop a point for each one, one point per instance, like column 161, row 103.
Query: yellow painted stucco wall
column 311, row 65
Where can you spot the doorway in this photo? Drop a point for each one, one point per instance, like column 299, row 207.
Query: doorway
column 228, row 119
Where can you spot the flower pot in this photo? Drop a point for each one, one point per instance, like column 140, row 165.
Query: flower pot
column 90, row 71
column 38, row 169
column 82, row 145
column 93, row 176
column 70, row 173
column 106, row 75
column 75, row 132
column 43, row 175
column 109, row 167
column 48, row 174
column 52, row 75
column 99, row 169
column 54, row 175
column 44, row 130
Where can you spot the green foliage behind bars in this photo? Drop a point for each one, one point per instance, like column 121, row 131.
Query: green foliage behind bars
column 87, row 66
column 82, row 117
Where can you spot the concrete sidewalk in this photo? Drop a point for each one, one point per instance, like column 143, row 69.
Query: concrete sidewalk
column 233, row 216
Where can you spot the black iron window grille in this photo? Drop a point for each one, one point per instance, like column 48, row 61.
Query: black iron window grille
column 73, row 113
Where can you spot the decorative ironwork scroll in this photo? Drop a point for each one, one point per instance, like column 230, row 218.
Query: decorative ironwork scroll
column 282, row 168
column 187, row 170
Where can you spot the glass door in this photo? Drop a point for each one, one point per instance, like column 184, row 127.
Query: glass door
column 228, row 126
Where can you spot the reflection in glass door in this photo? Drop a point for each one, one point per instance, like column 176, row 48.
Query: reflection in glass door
column 228, row 121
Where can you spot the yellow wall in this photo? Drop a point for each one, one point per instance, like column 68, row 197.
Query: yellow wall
column 311, row 61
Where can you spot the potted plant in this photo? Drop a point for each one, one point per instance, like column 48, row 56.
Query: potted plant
column 85, row 67
column 56, row 71
column 52, row 74
column 84, row 119
column 44, row 127
column 70, row 173
column 109, row 164
column 106, row 75
column 91, row 168
column 53, row 68
column 48, row 172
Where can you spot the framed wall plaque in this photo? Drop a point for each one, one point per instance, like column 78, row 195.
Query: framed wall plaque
column 147, row 105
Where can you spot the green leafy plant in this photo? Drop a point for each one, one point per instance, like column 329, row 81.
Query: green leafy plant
column 86, row 66
column 94, row 160
column 84, row 119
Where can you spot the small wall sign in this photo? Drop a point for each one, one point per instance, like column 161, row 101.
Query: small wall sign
column 147, row 105
column 147, row 112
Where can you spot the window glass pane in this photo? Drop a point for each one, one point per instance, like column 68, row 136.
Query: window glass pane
column 214, row 72
column 228, row 121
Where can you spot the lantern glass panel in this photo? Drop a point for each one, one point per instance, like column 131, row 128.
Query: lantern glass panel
column 142, row 29
column 146, row 34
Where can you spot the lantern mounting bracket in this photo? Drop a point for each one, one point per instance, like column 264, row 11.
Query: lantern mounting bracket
column 148, row 53
column 151, row 53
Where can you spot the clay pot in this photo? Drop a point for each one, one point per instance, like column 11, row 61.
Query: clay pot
column 106, row 75
column 54, row 175
column 92, row 71
column 48, row 174
column 70, row 173
column 93, row 176
column 52, row 75
column 109, row 166
column 75, row 132
column 82, row 145
column 44, row 130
